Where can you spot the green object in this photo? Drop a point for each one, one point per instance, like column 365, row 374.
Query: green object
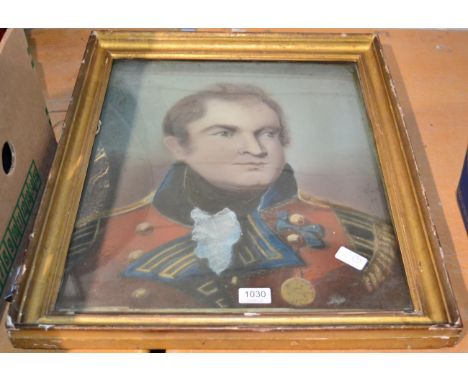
column 19, row 221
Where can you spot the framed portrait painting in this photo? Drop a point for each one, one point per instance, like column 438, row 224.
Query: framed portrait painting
column 233, row 191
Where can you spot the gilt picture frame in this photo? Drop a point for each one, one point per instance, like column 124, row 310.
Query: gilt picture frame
column 219, row 190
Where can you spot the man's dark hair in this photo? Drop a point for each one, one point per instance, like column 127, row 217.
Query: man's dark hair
column 192, row 107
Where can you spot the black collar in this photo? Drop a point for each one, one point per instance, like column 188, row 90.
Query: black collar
column 183, row 189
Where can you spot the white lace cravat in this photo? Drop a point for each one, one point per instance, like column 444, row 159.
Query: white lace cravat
column 215, row 236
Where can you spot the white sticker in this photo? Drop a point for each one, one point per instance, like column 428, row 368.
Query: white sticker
column 351, row 258
column 254, row 296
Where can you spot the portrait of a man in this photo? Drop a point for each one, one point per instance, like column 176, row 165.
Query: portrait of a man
column 229, row 214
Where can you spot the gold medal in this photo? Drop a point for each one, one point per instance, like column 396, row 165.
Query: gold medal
column 297, row 291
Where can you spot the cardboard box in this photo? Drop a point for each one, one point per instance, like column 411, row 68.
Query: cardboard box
column 28, row 145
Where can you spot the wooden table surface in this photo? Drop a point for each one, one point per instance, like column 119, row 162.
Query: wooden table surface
column 429, row 68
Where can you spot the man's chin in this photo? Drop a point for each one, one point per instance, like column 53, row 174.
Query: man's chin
column 243, row 186
column 242, row 181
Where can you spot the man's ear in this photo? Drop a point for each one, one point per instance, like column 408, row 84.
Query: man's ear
column 178, row 151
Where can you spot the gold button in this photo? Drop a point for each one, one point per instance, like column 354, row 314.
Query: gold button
column 298, row 291
column 140, row 293
column 297, row 219
column 144, row 228
column 234, row 280
column 293, row 238
column 135, row 255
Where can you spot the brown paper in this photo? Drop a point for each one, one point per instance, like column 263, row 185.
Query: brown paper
column 27, row 145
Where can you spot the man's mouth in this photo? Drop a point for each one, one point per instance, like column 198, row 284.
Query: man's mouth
column 250, row 164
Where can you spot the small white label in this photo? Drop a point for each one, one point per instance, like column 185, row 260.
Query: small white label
column 351, row 258
column 254, row 296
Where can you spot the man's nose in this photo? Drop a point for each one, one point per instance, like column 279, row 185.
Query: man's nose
column 252, row 145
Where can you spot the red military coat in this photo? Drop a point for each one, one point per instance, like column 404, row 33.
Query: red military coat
column 144, row 259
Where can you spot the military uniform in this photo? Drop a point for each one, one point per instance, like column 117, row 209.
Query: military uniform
column 147, row 259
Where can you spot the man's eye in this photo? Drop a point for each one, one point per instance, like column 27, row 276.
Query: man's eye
column 224, row 133
column 269, row 133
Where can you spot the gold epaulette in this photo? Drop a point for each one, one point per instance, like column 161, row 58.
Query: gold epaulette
column 385, row 256
column 373, row 239
column 370, row 237
column 98, row 215
column 87, row 228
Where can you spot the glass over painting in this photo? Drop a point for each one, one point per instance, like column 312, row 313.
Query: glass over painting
column 233, row 185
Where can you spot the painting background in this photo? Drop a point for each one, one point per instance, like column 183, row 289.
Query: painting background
column 331, row 150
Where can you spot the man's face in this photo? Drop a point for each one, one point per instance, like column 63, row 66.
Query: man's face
column 235, row 145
